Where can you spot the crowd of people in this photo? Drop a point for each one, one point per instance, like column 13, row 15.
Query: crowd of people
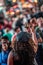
column 21, row 36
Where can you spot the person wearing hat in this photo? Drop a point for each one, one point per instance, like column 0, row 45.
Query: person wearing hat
column 5, row 50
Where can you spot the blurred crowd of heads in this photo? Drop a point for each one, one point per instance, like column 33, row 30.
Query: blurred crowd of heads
column 28, row 17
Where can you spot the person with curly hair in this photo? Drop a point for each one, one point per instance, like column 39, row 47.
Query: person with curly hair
column 22, row 52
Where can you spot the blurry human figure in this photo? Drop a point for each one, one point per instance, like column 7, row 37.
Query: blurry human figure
column 41, row 8
column 7, row 32
column 34, row 38
column 40, row 26
column 22, row 52
column 27, row 27
column 14, row 20
column 5, row 50
column 34, row 23
column 33, row 10
column 17, row 31
column 39, row 30
column 19, row 23
column 27, row 14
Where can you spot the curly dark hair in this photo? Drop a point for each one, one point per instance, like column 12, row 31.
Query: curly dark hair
column 24, row 51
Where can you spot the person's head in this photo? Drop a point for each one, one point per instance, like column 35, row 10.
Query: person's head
column 7, row 28
column 33, row 22
column 40, row 22
column 33, row 10
column 27, row 26
column 5, row 43
column 24, row 48
column 17, row 29
column 41, row 8
column 17, row 11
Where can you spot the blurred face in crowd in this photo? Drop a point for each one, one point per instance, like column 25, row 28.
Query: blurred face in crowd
column 27, row 26
column 4, row 44
column 17, row 30
column 40, row 22
column 42, row 8
column 33, row 10
column 33, row 22
column 17, row 13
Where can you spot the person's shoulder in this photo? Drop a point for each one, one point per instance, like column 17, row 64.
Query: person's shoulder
column 10, row 54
